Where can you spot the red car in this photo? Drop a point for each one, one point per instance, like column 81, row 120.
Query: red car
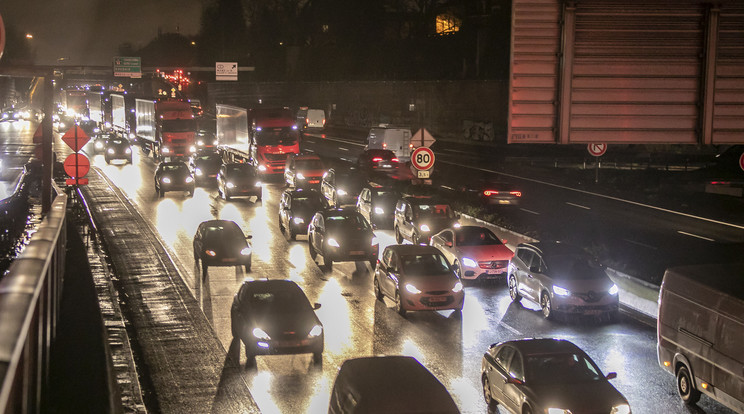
column 474, row 251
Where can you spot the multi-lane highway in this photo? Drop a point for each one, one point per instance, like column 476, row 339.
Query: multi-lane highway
column 358, row 325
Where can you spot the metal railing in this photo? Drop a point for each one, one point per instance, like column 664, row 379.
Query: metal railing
column 30, row 296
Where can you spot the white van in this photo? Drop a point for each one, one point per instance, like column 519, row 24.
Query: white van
column 396, row 139
column 311, row 118
column 700, row 332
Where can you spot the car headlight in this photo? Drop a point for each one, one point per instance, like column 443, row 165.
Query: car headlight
column 424, row 227
column 299, row 176
column 560, row 291
column 166, row 150
column 620, row 409
column 333, row 243
column 230, row 185
column 200, row 143
column 457, row 287
column 246, row 251
column 5, row 116
column 189, row 179
column 261, row 167
column 298, row 220
column 613, row 290
column 166, row 180
column 558, row 411
column 412, row 289
column 214, row 142
column 258, row 184
column 341, row 192
column 198, row 172
column 469, row 262
column 192, row 148
column 128, row 151
column 98, row 145
column 210, row 253
column 110, row 151
column 456, row 225
column 379, row 210
column 259, row 333
column 316, row 331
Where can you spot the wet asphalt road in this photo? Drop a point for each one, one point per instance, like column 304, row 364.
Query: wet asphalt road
column 358, row 325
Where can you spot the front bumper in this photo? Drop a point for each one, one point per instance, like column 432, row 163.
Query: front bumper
column 285, row 346
column 578, row 306
column 244, row 191
column 227, row 261
column 430, row 301
column 341, row 254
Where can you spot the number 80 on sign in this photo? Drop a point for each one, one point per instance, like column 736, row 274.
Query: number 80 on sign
column 422, row 158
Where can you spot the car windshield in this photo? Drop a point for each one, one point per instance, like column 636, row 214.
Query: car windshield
column 209, row 158
column 219, row 233
column 239, row 169
column 346, row 222
column 573, row 266
column 309, row 164
column 476, row 236
column 175, row 168
column 568, row 368
column 277, row 301
column 310, row 201
column 116, row 141
column 179, row 125
column 434, row 211
column 277, row 136
column 428, row 264
column 386, row 194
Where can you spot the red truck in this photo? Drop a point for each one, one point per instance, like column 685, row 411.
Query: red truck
column 273, row 135
column 166, row 128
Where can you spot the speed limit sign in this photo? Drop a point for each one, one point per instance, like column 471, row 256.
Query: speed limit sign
column 422, row 158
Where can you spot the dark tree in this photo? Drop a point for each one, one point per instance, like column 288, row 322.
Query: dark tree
column 222, row 37
column 168, row 49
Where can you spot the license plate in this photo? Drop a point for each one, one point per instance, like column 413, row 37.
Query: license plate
column 356, row 252
column 229, row 260
column 385, row 165
column 494, row 271
column 313, row 181
column 437, row 299
column 504, row 202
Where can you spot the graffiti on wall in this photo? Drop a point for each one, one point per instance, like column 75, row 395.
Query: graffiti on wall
column 477, row 131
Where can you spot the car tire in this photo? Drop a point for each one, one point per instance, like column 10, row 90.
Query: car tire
column 378, row 292
column 514, row 289
column 161, row 193
column 227, row 197
column 526, row 410
column 313, row 253
column 258, row 198
column 327, row 264
column 250, row 358
column 398, row 236
column 686, row 387
column 108, row 161
column 248, row 267
column 318, row 358
column 191, row 193
column 292, row 234
column 490, row 402
column 399, row 305
column 546, row 305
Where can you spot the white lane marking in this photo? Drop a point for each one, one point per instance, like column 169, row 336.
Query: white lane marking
column 640, row 244
column 530, row 211
column 310, row 141
column 509, row 328
column 635, row 203
column 695, row 235
column 578, row 205
column 343, row 149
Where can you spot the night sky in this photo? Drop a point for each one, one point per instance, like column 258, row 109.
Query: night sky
column 89, row 32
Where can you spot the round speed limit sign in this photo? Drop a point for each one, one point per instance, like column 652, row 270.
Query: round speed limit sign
column 422, row 158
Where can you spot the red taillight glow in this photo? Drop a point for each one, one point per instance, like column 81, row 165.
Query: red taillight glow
column 516, row 193
column 394, row 160
column 376, row 159
column 489, row 193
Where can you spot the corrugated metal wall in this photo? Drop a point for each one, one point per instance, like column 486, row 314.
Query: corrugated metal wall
column 626, row 72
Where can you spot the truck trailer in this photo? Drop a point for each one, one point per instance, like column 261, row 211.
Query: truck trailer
column 165, row 128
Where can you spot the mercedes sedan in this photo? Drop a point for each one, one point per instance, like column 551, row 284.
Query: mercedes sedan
column 474, row 251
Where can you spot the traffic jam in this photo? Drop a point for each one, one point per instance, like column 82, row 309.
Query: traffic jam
column 314, row 266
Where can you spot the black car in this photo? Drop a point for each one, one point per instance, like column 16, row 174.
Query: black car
column 342, row 235
column 341, row 187
column 377, row 204
column 237, row 179
column 205, row 166
column 297, row 208
column 117, row 148
column 275, row 317
column 378, row 160
column 173, row 176
column 221, row 243
column 417, row 218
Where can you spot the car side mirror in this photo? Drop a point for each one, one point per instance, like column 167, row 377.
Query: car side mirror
column 448, row 244
column 316, row 306
column 611, row 375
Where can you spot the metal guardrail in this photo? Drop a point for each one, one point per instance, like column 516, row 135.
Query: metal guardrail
column 30, row 296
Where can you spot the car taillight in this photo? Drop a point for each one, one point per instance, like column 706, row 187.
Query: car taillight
column 489, row 193
column 394, row 160
column 516, row 193
column 376, row 159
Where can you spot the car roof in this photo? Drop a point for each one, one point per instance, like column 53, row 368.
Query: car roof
column 541, row 346
column 407, row 249
column 218, row 222
column 342, row 211
column 553, row 248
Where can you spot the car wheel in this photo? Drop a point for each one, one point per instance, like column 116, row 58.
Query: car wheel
column 527, row 410
column 399, row 305
column 249, row 356
column 108, row 161
column 490, row 402
column 248, row 267
column 317, row 358
column 398, row 236
column 227, row 197
column 313, row 253
column 191, row 193
column 292, row 234
column 162, row 193
column 685, row 387
column 327, row 264
column 514, row 289
column 546, row 305
column 378, row 291
column 258, row 198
